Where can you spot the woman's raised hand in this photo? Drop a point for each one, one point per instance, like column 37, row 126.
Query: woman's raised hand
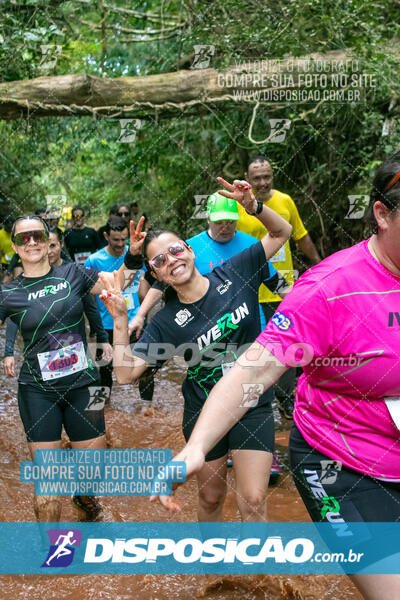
column 239, row 191
column 136, row 236
column 112, row 297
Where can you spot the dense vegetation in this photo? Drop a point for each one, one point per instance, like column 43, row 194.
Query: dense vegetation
column 329, row 152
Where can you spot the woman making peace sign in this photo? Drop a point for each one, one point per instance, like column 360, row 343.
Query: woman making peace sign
column 210, row 320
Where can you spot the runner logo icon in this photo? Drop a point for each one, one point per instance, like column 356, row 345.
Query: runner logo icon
column 62, row 547
column 330, row 470
column 98, row 397
column 251, row 394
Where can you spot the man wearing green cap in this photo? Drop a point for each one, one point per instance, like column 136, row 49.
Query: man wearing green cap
column 220, row 241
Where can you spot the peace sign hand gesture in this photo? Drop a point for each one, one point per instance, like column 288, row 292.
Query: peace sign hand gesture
column 112, row 296
column 241, row 192
column 136, row 236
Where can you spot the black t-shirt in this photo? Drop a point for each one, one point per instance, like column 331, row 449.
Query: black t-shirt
column 49, row 313
column 81, row 243
column 211, row 333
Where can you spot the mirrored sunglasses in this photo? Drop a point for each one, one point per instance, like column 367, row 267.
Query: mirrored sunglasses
column 24, row 237
column 175, row 250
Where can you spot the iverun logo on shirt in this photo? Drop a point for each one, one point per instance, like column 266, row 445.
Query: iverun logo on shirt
column 282, row 321
column 183, row 317
column 226, row 322
column 48, row 289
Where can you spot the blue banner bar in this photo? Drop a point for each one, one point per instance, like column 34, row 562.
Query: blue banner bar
column 193, row 548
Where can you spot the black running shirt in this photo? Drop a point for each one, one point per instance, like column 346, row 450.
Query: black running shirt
column 211, row 333
column 81, row 243
column 48, row 311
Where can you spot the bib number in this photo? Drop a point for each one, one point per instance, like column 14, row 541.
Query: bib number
column 65, row 361
column 130, row 303
column 280, row 256
column 80, row 257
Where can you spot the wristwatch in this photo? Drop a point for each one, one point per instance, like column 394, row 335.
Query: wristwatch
column 260, row 206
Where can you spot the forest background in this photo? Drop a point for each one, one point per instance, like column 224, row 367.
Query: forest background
column 329, row 151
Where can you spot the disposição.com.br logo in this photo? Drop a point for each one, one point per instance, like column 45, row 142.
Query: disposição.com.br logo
column 62, row 547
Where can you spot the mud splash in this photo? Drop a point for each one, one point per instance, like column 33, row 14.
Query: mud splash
column 133, row 425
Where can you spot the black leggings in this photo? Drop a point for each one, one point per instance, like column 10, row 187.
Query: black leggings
column 43, row 413
column 333, row 493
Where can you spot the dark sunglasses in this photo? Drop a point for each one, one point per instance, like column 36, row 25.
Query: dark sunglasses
column 23, row 238
column 159, row 261
column 123, row 214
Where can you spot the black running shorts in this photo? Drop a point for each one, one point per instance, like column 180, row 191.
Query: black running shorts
column 254, row 431
column 43, row 413
column 333, row 493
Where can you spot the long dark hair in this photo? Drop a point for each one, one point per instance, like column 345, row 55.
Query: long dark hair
column 385, row 188
column 168, row 293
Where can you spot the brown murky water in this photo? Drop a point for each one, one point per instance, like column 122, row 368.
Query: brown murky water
column 158, row 427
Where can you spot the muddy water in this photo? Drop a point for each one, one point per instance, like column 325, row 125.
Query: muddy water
column 130, row 425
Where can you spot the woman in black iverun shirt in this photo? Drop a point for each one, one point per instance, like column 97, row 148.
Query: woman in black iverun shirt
column 210, row 321
column 58, row 378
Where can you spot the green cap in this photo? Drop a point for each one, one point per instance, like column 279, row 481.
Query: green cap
column 220, row 208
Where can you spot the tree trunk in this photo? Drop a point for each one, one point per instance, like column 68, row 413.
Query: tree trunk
column 166, row 95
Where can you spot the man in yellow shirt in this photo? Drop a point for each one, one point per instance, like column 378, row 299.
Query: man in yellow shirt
column 260, row 175
column 6, row 249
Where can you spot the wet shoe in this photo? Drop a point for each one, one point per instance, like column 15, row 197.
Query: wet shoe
column 229, row 462
column 89, row 508
column 275, row 471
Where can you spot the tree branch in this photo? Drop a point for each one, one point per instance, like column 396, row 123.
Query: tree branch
column 167, row 94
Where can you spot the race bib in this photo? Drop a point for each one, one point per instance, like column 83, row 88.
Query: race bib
column 280, row 256
column 130, row 302
column 226, row 367
column 80, row 257
column 65, row 361
column 393, row 406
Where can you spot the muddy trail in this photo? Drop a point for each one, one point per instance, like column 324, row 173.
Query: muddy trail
column 130, row 425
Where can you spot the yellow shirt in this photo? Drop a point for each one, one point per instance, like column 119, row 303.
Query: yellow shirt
column 282, row 261
column 6, row 248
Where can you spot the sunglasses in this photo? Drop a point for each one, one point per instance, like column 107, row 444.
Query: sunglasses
column 23, row 238
column 123, row 214
column 175, row 250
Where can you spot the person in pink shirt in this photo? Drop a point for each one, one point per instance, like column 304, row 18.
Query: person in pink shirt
column 341, row 323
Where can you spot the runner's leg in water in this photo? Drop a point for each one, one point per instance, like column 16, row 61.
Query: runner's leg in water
column 43, row 414
column 252, row 469
column 211, row 482
column 88, row 506
column 46, row 508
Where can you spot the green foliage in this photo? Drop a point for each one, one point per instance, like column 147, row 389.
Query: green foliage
column 329, row 152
